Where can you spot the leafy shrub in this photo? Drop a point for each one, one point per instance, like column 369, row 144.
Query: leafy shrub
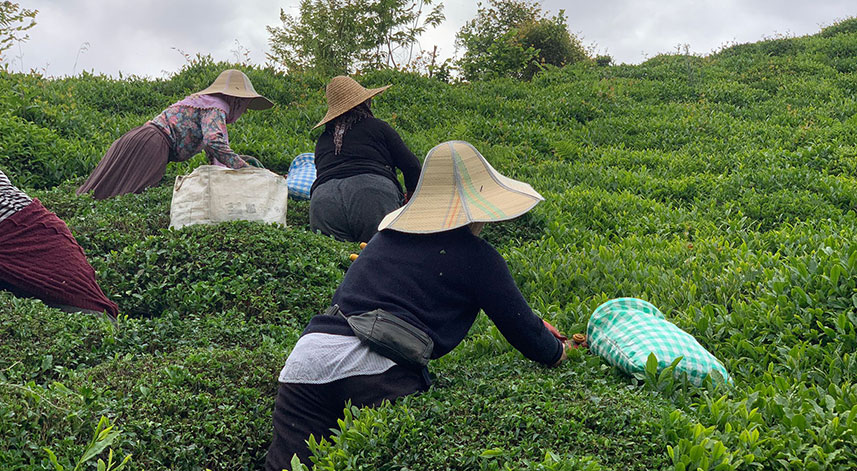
column 44, row 345
column 846, row 26
column 34, row 156
column 33, row 416
column 39, row 343
column 194, row 408
column 514, row 38
column 491, row 399
column 101, row 227
column 102, row 438
column 68, row 368
column 555, row 45
column 265, row 271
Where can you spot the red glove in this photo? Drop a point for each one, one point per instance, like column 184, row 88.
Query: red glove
column 555, row 332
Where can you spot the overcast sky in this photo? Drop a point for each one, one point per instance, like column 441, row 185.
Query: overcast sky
column 146, row 37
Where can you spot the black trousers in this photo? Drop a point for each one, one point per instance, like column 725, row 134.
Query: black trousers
column 302, row 410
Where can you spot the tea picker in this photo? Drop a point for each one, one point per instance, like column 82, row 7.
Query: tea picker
column 138, row 159
column 410, row 297
column 357, row 158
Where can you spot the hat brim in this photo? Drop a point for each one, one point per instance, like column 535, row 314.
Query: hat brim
column 260, row 103
column 257, row 102
column 459, row 189
column 389, row 221
column 356, row 100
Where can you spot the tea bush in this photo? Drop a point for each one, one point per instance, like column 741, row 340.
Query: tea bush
column 36, row 156
column 720, row 188
column 251, row 267
column 572, row 413
column 102, row 227
column 193, row 408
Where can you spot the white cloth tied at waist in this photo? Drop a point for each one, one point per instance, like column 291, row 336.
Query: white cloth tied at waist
column 320, row 358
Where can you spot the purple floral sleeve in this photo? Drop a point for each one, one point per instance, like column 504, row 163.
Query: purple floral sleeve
column 216, row 139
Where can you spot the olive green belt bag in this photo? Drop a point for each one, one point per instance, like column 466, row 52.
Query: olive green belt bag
column 390, row 336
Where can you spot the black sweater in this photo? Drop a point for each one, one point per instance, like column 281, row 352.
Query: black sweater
column 370, row 146
column 439, row 282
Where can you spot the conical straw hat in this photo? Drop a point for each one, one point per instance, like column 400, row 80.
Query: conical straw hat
column 234, row 83
column 458, row 186
column 344, row 93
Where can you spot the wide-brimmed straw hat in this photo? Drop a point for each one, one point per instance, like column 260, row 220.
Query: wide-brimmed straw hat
column 458, row 186
column 234, row 83
column 344, row 93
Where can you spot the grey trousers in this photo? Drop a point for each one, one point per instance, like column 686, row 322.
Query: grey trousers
column 350, row 209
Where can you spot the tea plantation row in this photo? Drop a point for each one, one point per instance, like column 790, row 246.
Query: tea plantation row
column 721, row 188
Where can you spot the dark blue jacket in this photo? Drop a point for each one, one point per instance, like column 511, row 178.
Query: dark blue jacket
column 439, row 282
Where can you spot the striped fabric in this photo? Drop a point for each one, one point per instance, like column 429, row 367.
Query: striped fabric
column 625, row 331
column 12, row 199
column 458, row 186
column 320, row 358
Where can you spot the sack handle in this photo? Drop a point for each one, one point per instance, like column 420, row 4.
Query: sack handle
column 179, row 182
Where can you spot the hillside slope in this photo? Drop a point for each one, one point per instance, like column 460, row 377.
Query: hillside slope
column 722, row 189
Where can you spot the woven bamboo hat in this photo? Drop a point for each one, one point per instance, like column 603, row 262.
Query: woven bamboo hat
column 458, row 186
column 234, row 83
column 344, row 93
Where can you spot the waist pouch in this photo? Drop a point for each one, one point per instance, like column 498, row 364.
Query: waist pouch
column 390, row 336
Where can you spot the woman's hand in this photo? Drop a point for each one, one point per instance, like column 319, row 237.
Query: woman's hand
column 553, row 330
column 562, row 338
column 565, row 346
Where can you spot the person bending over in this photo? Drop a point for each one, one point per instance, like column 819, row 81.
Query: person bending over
column 39, row 258
column 427, row 268
column 356, row 158
column 139, row 158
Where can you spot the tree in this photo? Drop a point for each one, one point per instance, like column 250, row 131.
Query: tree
column 14, row 21
column 514, row 38
column 555, row 45
column 338, row 36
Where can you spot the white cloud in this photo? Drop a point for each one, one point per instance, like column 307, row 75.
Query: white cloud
column 141, row 37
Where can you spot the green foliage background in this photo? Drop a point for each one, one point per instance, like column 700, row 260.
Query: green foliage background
column 369, row 34
column 721, row 188
column 515, row 38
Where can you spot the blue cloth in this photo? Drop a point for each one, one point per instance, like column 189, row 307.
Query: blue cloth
column 301, row 176
column 439, row 282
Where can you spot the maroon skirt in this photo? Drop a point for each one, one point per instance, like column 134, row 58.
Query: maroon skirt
column 134, row 162
column 39, row 258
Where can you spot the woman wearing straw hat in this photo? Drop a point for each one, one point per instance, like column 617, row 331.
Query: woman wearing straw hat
column 356, row 158
column 426, row 271
column 139, row 158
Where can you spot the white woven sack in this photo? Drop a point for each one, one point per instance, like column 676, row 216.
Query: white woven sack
column 212, row 194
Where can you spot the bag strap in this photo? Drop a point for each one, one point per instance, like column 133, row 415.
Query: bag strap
column 334, row 311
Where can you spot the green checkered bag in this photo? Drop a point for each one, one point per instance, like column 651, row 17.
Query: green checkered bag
column 625, row 331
